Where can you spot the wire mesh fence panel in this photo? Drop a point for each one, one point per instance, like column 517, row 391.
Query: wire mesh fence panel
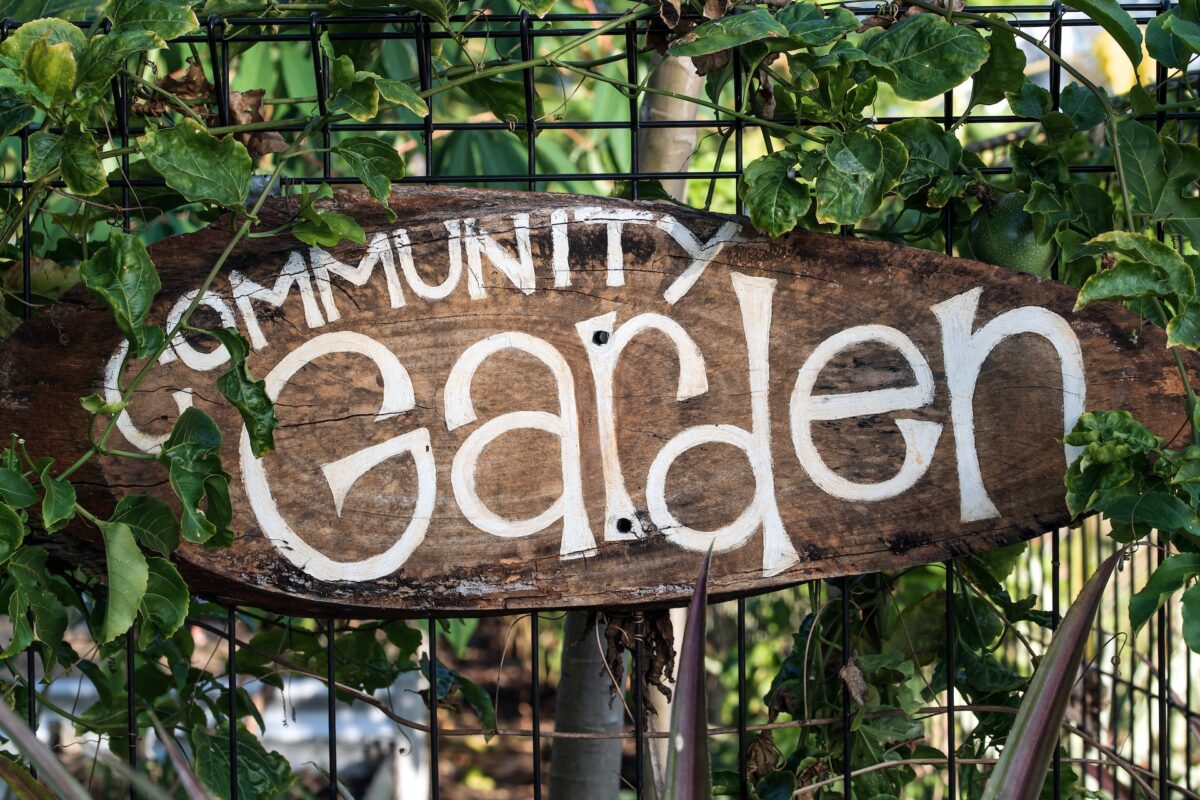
column 1131, row 726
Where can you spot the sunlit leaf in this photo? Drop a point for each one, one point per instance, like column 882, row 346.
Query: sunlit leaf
column 247, row 395
column 199, row 165
column 929, row 55
column 775, row 199
column 127, row 578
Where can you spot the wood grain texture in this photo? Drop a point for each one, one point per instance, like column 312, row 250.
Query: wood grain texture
column 814, row 286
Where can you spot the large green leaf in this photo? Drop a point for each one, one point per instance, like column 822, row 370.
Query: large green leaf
column 167, row 19
column 58, row 502
column 151, row 520
column 260, row 774
column 164, row 606
column 12, row 532
column 1191, row 617
column 858, row 171
column 192, row 456
column 400, row 93
column 1004, row 70
column 1082, row 106
column 929, row 55
column 80, row 162
column 374, row 162
column 1127, row 281
column 1116, row 21
column 50, row 29
column 45, row 155
column 122, row 275
column 15, row 113
column 775, row 199
column 247, row 395
column 127, row 579
column 1168, row 578
column 1160, row 175
column 106, row 54
column 505, row 99
column 15, row 489
column 199, row 165
column 51, row 68
column 729, row 31
column 355, row 93
column 1184, row 327
column 1163, row 44
column 807, row 25
column 1139, row 248
column 933, row 157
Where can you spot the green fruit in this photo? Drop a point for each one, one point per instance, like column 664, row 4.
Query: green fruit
column 1003, row 235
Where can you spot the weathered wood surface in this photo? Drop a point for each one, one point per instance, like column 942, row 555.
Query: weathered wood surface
column 439, row 518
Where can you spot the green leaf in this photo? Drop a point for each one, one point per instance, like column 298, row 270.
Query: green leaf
column 933, row 155
column 775, row 199
column 930, row 56
column 1139, row 248
column 198, row 165
column 1187, row 31
column 858, row 171
column 1082, row 106
column 45, row 154
column 729, row 31
column 354, row 92
column 1164, row 45
column 1126, row 281
column 448, row 682
column 1168, row 578
column 505, row 99
column 192, row 456
column 1050, row 209
column 106, row 54
column 399, row 92
column 324, row 228
column 51, row 68
column 12, row 532
column 164, row 606
column 151, row 520
column 539, row 7
column 15, row 489
column 58, row 502
column 1160, row 175
column 807, row 26
column 167, row 19
column 260, row 774
column 96, row 403
column 1184, row 328
column 1003, row 72
column 50, row 29
column 80, row 162
column 374, row 162
column 123, row 277
column 1191, row 617
column 127, row 579
column 1031, row 101
column 15, row 113
column 247, row 395
column 1117, row 23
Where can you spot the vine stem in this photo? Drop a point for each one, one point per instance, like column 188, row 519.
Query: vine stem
column 232, row 244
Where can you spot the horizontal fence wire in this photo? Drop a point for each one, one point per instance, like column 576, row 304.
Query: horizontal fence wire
column 1135, row 711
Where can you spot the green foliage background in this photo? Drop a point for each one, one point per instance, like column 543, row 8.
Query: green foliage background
column 1126, row 236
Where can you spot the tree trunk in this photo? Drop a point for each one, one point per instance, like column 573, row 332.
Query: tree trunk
column 589, row 769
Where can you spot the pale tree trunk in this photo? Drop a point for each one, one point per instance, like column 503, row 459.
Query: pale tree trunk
column 589, row 769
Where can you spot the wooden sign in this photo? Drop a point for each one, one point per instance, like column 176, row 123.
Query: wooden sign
column 511, row 401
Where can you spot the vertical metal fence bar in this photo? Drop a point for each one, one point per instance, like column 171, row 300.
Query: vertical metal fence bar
column 331, row 699
column 434, row 776
column 847, row 736
column 639, row 704
column 530, row 121
column 951, row 678
column 535, row 702
column 743, row 701
column 635, row 170
column 232, row 678
column 425, row 78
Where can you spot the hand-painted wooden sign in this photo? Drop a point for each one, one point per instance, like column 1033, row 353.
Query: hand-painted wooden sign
column 513, row 401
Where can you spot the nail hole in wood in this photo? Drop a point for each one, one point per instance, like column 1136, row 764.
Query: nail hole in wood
column 601, row 337
column 623, row 524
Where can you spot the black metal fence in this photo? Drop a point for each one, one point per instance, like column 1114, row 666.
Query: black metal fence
column 1138, row 716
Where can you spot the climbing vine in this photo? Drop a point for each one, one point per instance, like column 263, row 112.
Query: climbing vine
column 812, row 78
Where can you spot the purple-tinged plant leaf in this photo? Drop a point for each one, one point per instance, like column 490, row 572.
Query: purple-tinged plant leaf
column 191, row 783
column 689, row 767
column 1021, row 771
column 53, row 774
